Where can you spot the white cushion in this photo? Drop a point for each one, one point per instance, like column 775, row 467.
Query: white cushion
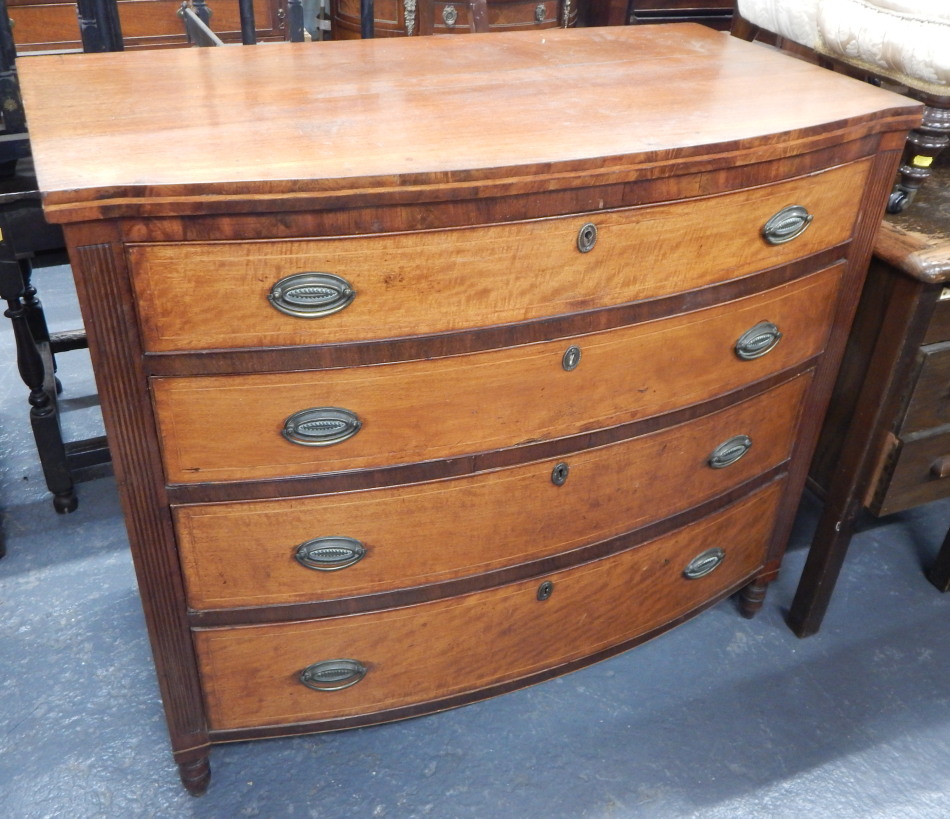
column 796, row 20
column 905, row 40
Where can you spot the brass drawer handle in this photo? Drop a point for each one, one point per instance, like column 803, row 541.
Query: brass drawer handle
column 311, row 295
column 321, row 426
column 787, row 224
column 704, row 563
column 728, row 452
column 757, row 341
column 329, row 554
column 333, row 675
column 450, row 16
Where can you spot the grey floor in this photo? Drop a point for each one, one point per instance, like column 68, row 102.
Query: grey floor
column 722, row 717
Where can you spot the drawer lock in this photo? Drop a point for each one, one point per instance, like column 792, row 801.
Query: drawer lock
column 329, row 554
column 311, row 295
column 728, row 452
column 571, row 358
column 587, row 237
column 704, row 563
column 321, row 426
column 757, row 341
column 333, row 675
column 789, row 223
column 559, row 474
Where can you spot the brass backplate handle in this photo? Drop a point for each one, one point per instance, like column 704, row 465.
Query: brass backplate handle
column 333, row 675
column 789, row 223
column 330, row 554
column 321, row 426
column 728, row 452
column 757, row 341
column 704, row 563
column 311, row 295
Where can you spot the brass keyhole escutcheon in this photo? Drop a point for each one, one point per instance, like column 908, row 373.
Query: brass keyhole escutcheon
column 571, row 358
column 545, row 590
column 587, row 237
column 559, row 474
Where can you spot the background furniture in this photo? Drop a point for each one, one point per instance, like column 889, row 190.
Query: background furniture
column 399, row 18
column 51, row 25
column 404, row 416
column 902, row 41
column 714, row 13
column 885, row 445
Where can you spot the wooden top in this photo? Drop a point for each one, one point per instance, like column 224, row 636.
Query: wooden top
column 168, row 131
column 917, row 241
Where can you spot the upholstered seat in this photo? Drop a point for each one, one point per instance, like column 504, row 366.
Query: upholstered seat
column 903, row 41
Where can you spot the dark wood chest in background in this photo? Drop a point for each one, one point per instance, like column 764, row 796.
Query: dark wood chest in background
column 714, row 13
column 885, row 446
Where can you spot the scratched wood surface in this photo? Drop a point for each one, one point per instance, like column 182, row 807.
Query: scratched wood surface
column 444, row 113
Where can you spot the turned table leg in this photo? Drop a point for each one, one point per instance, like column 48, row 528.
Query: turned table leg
column 25, row 315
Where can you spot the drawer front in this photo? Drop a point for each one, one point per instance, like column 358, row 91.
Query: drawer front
column 929, row 404
column 244, row 554
column 939, row 327
column 912, row 476
column 215, row 295
column 427, row 652
column 233, row 427
column 454, row 17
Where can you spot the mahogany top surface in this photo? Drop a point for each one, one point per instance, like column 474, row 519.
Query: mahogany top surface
column 290, row 118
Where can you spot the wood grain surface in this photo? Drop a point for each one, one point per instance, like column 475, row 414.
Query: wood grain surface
column 229, row 427
column 387, row 115
column 434, row 650
column 416, row 283
column 242, row 554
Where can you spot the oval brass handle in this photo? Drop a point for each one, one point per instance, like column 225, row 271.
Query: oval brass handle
column 728, row 452
column 787, row 224
column 333, row 675
column 704, row 563
column 757, row 341
column 311, row 295
column 329, row 554
column 321, row 426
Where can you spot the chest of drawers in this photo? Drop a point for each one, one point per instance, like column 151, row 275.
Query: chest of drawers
column 497, row 357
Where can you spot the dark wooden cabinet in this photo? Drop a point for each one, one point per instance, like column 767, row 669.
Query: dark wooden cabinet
column 714, row 13
column 885, row 446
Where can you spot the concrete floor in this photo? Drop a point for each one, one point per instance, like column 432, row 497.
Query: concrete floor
column 722, row 717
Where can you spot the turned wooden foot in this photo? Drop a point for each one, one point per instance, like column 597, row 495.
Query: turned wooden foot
column 195, row 774
column 751, row 598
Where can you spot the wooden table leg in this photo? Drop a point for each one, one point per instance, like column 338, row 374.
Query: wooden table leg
column 939, row 573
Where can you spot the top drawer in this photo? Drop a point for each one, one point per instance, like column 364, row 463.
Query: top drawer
column 209, row 295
